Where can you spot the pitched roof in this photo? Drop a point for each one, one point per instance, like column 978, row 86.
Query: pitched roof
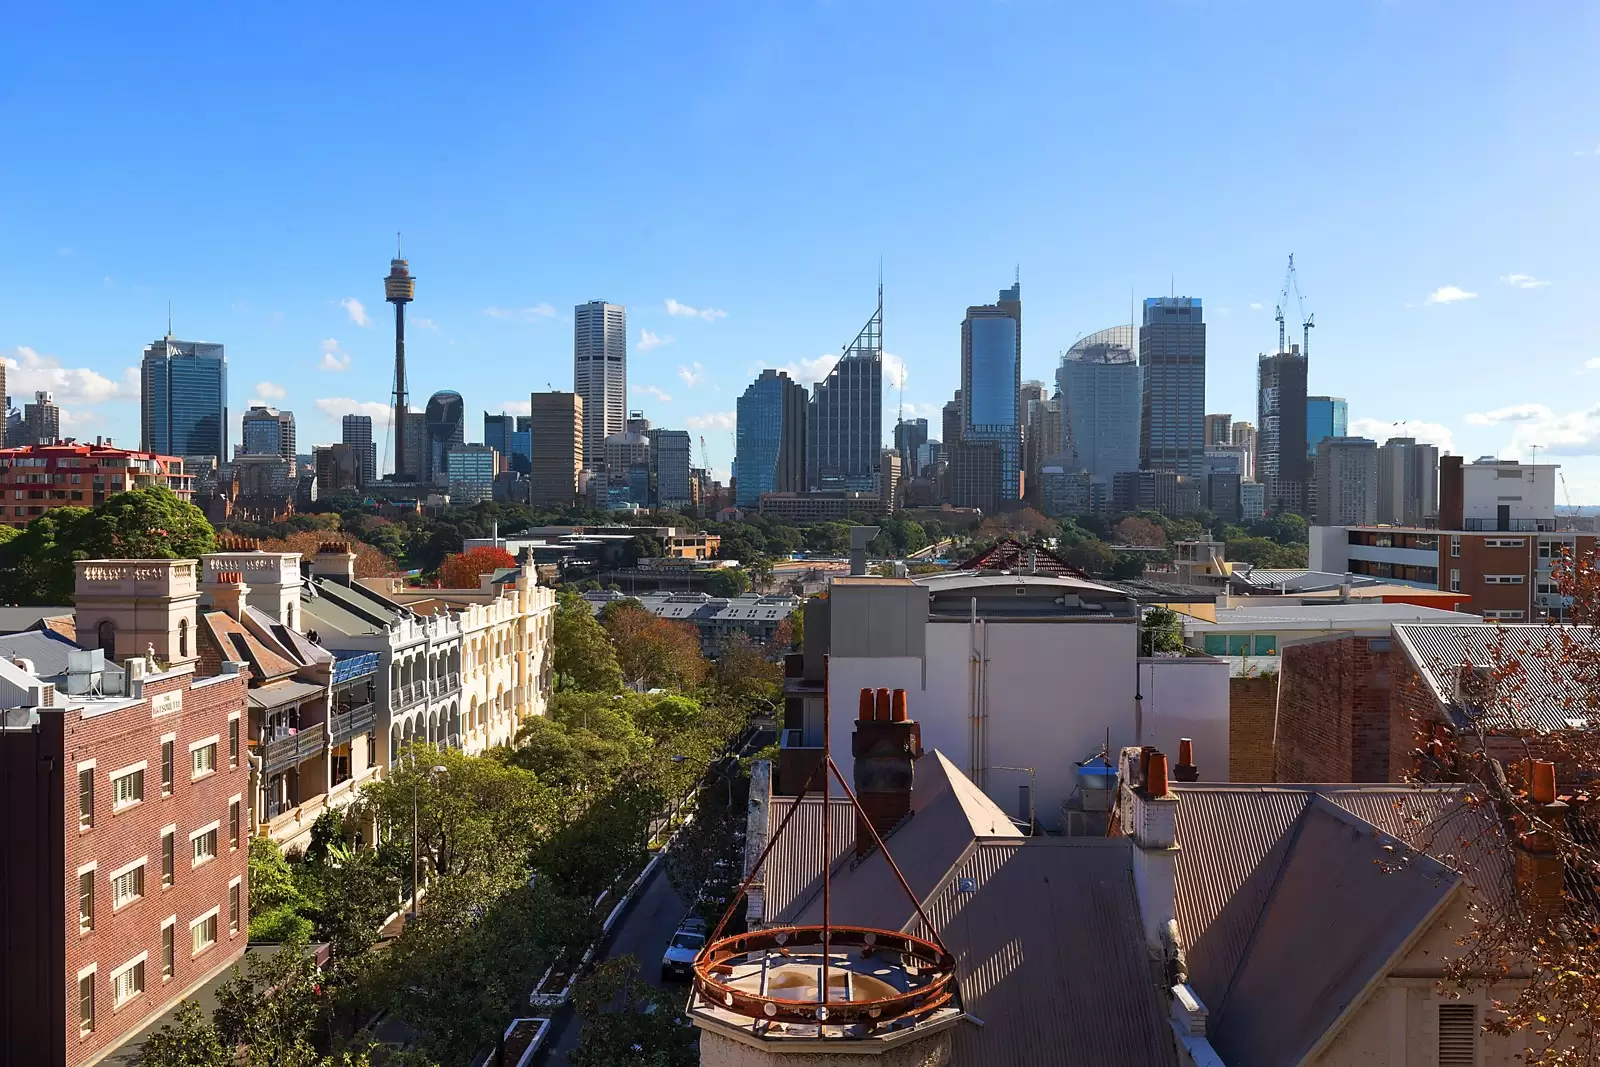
column 16, row 620
column 790, row 874
column 235, row 641
column 1549, row 692
column 1264, row 872
column 46, row 650
column 296, row 645
column 1012, row 555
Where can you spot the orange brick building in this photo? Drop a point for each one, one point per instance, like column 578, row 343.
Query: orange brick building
column 36, row 478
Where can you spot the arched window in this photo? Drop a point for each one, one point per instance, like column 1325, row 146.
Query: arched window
column 183, row 638
column 106, row 637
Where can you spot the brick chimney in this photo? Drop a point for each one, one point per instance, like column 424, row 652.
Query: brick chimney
column 335, row 561
column 1148, row 811
column 1185, row 771
column 886, row 743
column 1541, row 873
column 1452, row 493
column 229, row 593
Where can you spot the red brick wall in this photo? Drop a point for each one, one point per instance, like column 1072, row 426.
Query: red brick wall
column 1333, row 712
column 1252, row 706
column 1477, row 559
column 115, row 740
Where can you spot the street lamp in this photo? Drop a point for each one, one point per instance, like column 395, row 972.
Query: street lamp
column 416, row 884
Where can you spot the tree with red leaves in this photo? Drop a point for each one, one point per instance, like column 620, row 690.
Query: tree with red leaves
column 462, row 570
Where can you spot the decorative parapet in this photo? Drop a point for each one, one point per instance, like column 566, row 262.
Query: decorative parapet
column 258, row 568
column 136, row 577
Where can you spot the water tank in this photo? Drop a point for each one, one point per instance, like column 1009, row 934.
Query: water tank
column 1097, row 779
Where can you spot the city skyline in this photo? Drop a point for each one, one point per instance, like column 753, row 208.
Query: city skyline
column 1435, row 239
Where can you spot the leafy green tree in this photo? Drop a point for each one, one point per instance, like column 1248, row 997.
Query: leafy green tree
column 584, row 658
column 148, row 523
column 726, row 581
column 188, row 1041
column 760, row 569
column 1285, row 529
column 1264, row 552
column 1128, row 565
column 1161, row 631
column 627, row 1020
column 278, row 905
column 36, row 566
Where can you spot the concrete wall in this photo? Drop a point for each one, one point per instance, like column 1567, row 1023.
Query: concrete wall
column 1188, row 698
column 1053, row 689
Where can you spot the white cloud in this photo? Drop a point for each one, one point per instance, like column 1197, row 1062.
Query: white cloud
column 1254, row 306
column 1573, row 434
column 267, row 392
column 1512, row 413
column 29, row 372
column 687, row 312
column 1581, row 152
column 527, row 314
column 1449, row 294
column 648, row 340
column 810, row 371
column 692, row 375
column 894, row 371
column 1433, row 433
column 515, row 407
column 423, row 324
column 1523, row 281
column 333, row 357
column 356, row 310
column 1590, row 364
column 337, row 407
column 653, row 391
column 716, row 420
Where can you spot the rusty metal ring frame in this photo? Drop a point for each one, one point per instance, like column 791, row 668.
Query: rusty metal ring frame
column 718, row 957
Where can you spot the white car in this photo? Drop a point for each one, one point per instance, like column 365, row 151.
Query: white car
column 678, row 960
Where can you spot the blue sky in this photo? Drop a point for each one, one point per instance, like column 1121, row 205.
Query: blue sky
column 733, row 173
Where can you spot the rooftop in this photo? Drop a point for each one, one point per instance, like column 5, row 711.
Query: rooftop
column 1545, row 693
column 1311, row 617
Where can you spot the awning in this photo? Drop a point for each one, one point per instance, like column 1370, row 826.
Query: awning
column 278, row 694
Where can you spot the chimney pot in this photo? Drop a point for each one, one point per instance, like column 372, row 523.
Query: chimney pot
column 1543, row 788
column 901, row 712
column 883, row 713
column 1155, row 779
column 1186, row 771
column 866, row 712
column 1185, row 750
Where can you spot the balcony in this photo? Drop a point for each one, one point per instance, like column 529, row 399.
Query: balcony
column 796, row 761
column 353, row 722
column 281, row 753
column 445, row 684
column 406, row 695
column 1509, row 526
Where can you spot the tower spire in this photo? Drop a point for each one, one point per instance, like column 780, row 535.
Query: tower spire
column 399, row 289
column 169, row 320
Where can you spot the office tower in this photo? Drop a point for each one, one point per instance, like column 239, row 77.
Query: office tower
column 1037, row 443
column 268, row 432
column 445, row 418
column 1100, row 382
column 556, row 449
column 399, row 289
column 844, row 420
column 1252, row 501
column 991, row 392
column 1326, row 416
column 1347, row 482
column 497, row 432
column 1219, row 489
column 950, row 422
column 671, row 450
column 1408, row 482
column 1219, row 430
column 1172, row 355
column 357, row 433
column 469, row 472
column 600, row 372
column 415, row 433
column 184, row 406
column 889, row 479
column 41, row 420
column 337, row 467
column 1244, row 436
column 770, row 438
column 1282, row 463
column 909, row 435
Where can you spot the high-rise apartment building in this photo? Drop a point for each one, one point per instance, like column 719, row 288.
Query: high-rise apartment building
column 909, row 435
column 268, row 432
column 184, row 406
column 600, row 372
column 770, row 438
column 1408, row 482
column 671, row 451
column 357, row 433
column 1100, row 383
column 844, row 419
column 469, row 471
column 337, row 467
column 1347, row 481
column 1326, row 416
column 557, row 431
column 41, row 420
column 991, row 389
column 1282, row 463
column 1172, row 355
column 1219, row 430
column 446, row 421
column 1244, row 436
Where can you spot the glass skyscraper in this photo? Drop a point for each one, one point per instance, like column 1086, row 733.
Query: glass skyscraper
column 1099, row 380
column 1172, row 354
column 445, row 419
column 770, row 439
column 1326, row 416
column 844, row 424
column 184, row 407
column 991, row 389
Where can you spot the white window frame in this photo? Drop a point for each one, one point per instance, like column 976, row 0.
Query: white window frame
column 170, row 923
column 86, row 765
column 1455, row 545
column 168, row 788
column 210, row 828
column 91, row 869
column 122, row 775
column 233, row 761
column 244, row 834
column 128, row 868
column 141, row 960
column 214, row 741
column 234, row 929
column 91, row 972
column 212, row 915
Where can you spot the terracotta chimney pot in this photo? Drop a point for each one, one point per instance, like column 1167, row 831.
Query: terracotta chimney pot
column 1155, row 779
column 901, row 710
column 866, row 707
column 884, row 712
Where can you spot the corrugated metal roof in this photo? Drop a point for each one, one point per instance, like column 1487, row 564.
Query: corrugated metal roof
column 1548, row 693
column 790, row 873
column 279, row 694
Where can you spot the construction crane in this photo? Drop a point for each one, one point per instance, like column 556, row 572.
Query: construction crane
column 705, row 458
column 1572, row 511
column 1291, row 284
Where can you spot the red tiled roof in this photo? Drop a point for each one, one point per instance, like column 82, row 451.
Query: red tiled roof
column 1012, row 555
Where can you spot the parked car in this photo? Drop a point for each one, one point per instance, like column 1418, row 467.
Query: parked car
column 678, row 960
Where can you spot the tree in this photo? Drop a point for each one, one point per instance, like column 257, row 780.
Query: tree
column 584, row 658
column 746, row 674
column 188, row 1041
column 462, row 570
column 370, row 561
column 760, row 568
column 654, row 652
column 626, row 1020
column 36, row 566
column 1263, row 552
column 147, row 523
column 1092, row 556
column 1142, row 532
column 1160, row 632
column 726, row 581
column 278, row 906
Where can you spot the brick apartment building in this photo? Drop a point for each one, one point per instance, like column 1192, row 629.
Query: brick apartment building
column 36, row 478
column 1498, row 542
column 123, row 851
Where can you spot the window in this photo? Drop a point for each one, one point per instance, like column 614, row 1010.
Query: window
column 168, row 848
column 1458, row 1035
column 1502, row 579
column 203, row 843
column 169, row 963
column 86, row 1003
column 203, row 933
column 203, row 760
column 128, row 982
column 127, row 885
column 86, row 797
column 86, row 900
column 127, row 787
column 183, row 638
column 233, row 908
column 166, row 767
column 1455, row 579
column 1502, row 614
column 1455, row 546
column 233, row 742
column 233, row 824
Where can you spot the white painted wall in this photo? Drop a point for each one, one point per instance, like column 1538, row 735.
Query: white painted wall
column 1053, row 690
column 1188, row 698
